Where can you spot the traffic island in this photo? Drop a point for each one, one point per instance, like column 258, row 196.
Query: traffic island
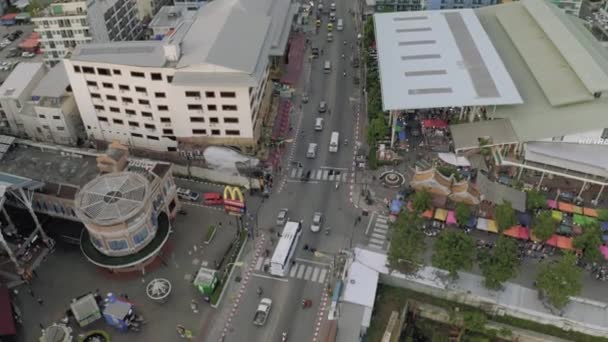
column 210, row 234
column 232, row 255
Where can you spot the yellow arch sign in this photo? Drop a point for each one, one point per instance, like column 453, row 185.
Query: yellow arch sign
column 233, row 193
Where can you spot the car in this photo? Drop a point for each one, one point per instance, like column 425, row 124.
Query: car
column 305, row 98
column 19, row 32
column 212, row 198
column 27, row 54
column 322, row 107
column 282, row 217
column 187, row 194
column 317, row 222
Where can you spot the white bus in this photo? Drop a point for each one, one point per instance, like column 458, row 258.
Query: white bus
column 334, row 142
column 281, row 259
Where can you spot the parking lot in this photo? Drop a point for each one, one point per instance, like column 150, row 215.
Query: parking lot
column 8, row 63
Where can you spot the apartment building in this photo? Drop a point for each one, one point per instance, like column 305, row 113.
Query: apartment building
column 399, row 5
column 572, row 7
column 37, row 104
column 202, row 84
column 457, row 4
column 65, row 24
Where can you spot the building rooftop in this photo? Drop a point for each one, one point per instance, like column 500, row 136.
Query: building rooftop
column 139, row 53
column 170, row 16
column 18, row 80
column 54, row 83
column 558, row 98
column 443, row 58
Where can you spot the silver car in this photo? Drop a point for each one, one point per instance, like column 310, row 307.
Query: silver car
column 317, row 222
column 282, row 217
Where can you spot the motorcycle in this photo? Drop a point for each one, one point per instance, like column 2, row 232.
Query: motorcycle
column 284, row 337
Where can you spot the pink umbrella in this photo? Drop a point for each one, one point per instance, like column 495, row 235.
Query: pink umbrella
column 451, row 217
column 604, row 250
column 552, row 204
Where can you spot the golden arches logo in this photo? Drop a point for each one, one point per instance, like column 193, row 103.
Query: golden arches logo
column 233, row 193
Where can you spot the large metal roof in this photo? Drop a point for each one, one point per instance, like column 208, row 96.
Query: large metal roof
column 112, row 198
column 431, row 59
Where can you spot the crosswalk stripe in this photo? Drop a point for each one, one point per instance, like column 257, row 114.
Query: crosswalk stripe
column 301, row 269
column 379, row 236
column 319, row 174
column 344, row 177
column 300, row 172
column 292, row 272
column 331, row 177
column 315, row 274
column 259, row 263
column 325, row 174
column 382, row 218
column 377, row 241
column 322, row 275
column 381, row 225
column 381, row 231
column 293, row 173
column 308, row 272
column 373, row 245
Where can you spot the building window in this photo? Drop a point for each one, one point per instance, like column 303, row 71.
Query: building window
column 150, row 126
column 77, row 69
column 111, row 97
column 102, row 119
column 146, row 114
column 130, row 111
column 195, row 107
column 211, row 107
column 138, row 74
column 42, row 116
column 143, row 102
column 231, row 120
column 92, row 83
column 88, row 70
column 233, row 132
column 151, row 137
column 114, row 110
column 196, row 119
column 229, row 107
column 214, row 120
column 167, row 131
column 163, row 108
column 95, row 96
column 160, row 95
column 118, row 121
column 156, row 76
column 137, row 135
column 605, row 133
column 98, row 107
column 123, row 87
column 103, row 71
column 116, row 72
column 141, row 90
column 165, row 120
column 118, row 245
column 60, row 128
column 199, row 131
column 196, row 94
column 227, row 94
column 133, row 124
column 215, row 132
column 127, row 100
column 108, row 85
column 56, row 117
column 169, row 79
column 210, row 94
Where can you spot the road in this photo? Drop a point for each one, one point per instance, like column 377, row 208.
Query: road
column 311, row 274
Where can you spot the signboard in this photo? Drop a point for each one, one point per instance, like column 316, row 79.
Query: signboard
column 234, row 201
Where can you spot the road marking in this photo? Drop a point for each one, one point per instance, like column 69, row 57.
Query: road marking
column 299, row 181
column 308, row 272
column 381, row 230
column 333, row 168
column 319, row 174
column 259, row 263
column 312, row 262
column 379, row 236
column 373, row 245
column 315, row 274
column 381, row 225
column 344, row 177
column 292, row 272
column 322, row 275
column 269, row 277
column 369, row 223
column 325, row 174
column 301, row 269
column 300, row 172
column 293, row 172
column 376, row 241
column 331, row 177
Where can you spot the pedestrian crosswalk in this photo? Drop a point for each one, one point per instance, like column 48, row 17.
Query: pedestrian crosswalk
column 329, row 175
column 378, row 238
column 300, row 270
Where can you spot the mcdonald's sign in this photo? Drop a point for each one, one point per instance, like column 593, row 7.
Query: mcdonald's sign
column 234, row 201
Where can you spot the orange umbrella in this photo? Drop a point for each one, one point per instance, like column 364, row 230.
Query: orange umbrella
column 564, row 243
column 428, row 213
column 565, row 207
column 590, row 212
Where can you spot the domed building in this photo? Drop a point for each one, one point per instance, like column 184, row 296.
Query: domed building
column 126, row 211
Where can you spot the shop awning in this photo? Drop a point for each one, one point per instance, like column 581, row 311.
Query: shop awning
column 487, row 225
column 518, row 232
column 492, row 226
column 590, row 212
column 553, row 240
column 396, row 206
column 583, row 220
column 577, row 210
column 434, row 123
column 564, row 243
column 453, row 159
column 472, row 222
column 557, row 215
column 428, row 213
column 565, row 207
column 563, row 229
column 451, row 217
column 604, row 251
column 604, row 225
column 441, row 214
column 524, row 219
column 552, row 204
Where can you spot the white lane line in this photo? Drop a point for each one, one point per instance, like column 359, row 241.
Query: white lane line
column 301, row 269
column 300, row 172
column 344, row 177
column 379, row 236
column 308, row 272
column 369, row 223
column 293, row 172
column 334, row 168
column 331, row 177
column 299, row 181
column 381, row 225
column 381, row 220
column 380, row 230
column 373, row 245
column 322, row 276
column 376, row 241
column 319, row 174
column 269, row 277
column 325, row 174
column 292, row 272
column 312, row 262
column 259, row 263
column 315, row 274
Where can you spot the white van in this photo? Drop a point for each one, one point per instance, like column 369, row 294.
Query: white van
column 187, row 194
column 312, row 150
column 334, row 142
column 318, row 124
column 340, row 25
column 327, row 67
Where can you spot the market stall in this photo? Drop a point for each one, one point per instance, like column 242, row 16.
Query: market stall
column 552, row 204
column 85, row 309
column 565, row 207
column 518, row 232
column 451, row 219
column 590, row 212
column 428, row 213
column 441, row 214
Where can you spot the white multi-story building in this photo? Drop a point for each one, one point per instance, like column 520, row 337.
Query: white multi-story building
column 36, row 103
column 202, row 84
column 65, row 24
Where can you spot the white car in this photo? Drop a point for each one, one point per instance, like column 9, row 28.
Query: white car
column 28, row 54
column 317, row 222
column 282, row 217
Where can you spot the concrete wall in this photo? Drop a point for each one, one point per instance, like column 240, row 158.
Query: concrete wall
column 214, row 176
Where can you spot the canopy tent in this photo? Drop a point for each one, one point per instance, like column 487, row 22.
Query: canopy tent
column 472, row 222
column 583, row 220
column 453, row 159
column 552, row 204
column 428, row 213
column 605, row 238
column 492, row 226
column 396, row 206
column 560, row 242
column 7, row 322
column 434, row 123
column 577, row 230
column 563, row 229
column 487, row 225
column 590, row 212
column 524, row 219
column 604, row 251
column 451, row 219
column 565, row 207
column 441, row 214
column 557, row 215
column 518, row 232
column 604, row 225
column 577, row 210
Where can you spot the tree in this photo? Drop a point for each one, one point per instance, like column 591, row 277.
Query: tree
column 559, row 281
column 544, row 225
column 500, row 263
column 505, row 216
column 535, row 200
column 589, row 242
column 602, row 214
column 463, row 213
column 377, row 129
column 454, row 251
column 407, row 244
column 422, row 201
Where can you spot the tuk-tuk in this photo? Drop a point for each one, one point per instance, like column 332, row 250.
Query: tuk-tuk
column 330, row 37
column 318, row 23
column 330, row 27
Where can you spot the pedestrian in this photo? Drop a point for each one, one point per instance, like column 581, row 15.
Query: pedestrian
column 31, row 292
column 40, row 301
column 194, row 306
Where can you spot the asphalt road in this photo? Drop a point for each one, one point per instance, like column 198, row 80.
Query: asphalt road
column 304, row 198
